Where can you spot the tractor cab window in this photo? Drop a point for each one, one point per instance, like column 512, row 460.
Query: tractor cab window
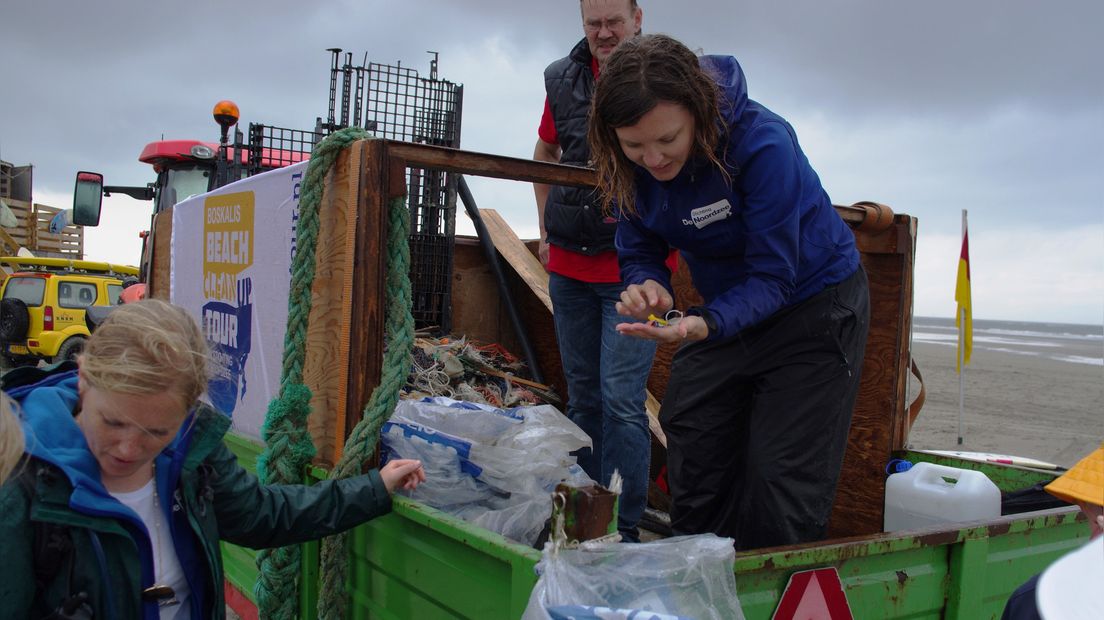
column 176, row 184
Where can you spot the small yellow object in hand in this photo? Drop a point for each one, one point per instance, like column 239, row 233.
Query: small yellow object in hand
column 667, row 320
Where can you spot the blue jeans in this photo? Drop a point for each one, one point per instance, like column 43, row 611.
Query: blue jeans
column 606, row 375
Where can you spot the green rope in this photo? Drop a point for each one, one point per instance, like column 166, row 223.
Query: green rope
column 361, row 444
column 288, row 445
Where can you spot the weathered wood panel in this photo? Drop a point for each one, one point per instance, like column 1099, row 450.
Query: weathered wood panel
column 366, row 331
column 32, row 231
column 160, row 243
column 69, row 243
column 328, row 344
column 880, row 409
column 5, row 179
column 477, row 310
column 525, row 263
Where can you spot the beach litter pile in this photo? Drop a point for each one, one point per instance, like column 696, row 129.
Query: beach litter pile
column 462, row 369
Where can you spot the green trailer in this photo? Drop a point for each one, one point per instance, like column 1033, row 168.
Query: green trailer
column 420, row 563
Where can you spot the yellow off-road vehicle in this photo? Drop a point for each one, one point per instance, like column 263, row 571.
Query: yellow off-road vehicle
column 43, row 302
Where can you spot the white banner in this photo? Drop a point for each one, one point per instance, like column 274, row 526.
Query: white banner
column 231, row 268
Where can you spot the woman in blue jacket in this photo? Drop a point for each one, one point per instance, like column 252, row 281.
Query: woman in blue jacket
column 759, row 403
column 129, row 487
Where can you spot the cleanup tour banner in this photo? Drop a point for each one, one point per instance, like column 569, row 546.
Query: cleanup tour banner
column 231, row 268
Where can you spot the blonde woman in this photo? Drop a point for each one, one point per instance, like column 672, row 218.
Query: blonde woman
column 133, row 468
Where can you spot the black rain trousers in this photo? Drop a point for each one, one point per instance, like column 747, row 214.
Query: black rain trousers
column 757, row 424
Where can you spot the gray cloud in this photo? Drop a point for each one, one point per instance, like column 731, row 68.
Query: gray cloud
column 992, row 105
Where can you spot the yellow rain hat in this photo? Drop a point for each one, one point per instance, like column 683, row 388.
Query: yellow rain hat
column 1084, row 482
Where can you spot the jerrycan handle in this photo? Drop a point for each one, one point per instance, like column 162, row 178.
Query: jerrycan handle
column 939, row 475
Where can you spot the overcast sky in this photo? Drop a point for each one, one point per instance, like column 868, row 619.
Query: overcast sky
column 995, row 106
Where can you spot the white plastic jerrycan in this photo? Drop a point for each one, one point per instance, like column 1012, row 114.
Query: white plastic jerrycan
column 930, row 494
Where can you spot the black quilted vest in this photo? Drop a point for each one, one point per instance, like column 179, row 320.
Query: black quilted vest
column 573, row 216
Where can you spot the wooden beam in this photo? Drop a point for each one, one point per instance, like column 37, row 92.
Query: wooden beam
column 366, row 333
column 867, row 215
column 160, row 246
column 494, row 166
column 10, row 246
column 327, row 345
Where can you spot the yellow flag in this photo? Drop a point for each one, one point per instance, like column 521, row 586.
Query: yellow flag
column 963, row 319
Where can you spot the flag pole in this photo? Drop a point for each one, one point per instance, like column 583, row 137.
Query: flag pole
column 961, row 371
column 961, row 351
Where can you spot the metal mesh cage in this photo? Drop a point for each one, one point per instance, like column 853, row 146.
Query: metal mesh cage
column 400, row 105
column 275, row 147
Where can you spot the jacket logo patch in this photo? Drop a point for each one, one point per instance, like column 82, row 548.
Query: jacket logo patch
column 704, row 216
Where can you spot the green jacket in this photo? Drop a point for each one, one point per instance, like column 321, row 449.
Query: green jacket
column 219, row 500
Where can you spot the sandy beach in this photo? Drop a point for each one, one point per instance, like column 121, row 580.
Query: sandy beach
column 1014, row 404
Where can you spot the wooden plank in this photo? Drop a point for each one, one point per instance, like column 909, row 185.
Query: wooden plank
column 477, row 314
column 160, row 243
column 5, row 179
column 907, row 247
column 23, row 232
column 651, row 406
column 881, row 242
column 32, row 231
column 8, row 244
column 485, row 165
column 517, row 169
column 331, row 293
column 369, row 282
column 517, row 255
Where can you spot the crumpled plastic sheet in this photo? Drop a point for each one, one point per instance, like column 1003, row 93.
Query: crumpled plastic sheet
column 679, row 577
column 493, row 467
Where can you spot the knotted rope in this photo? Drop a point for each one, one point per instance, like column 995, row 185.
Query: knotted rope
column 361, row 444
column 288, row 444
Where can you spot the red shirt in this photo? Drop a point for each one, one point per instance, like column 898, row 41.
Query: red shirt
column 601, row 267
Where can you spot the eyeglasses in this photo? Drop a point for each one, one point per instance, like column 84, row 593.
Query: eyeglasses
column 611, row 24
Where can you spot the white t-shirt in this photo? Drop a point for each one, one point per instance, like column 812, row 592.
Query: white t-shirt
column 166, row 565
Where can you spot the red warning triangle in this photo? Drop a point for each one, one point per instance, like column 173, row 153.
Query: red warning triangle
column 813, row 595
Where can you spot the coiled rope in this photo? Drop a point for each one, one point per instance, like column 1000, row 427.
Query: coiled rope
column 288, row 445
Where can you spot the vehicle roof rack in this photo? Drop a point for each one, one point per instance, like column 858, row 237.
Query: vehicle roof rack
column 68, row 265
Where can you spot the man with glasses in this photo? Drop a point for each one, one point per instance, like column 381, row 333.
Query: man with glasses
column 605, row 372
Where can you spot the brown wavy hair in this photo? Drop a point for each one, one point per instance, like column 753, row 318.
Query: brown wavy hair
column 640, row 73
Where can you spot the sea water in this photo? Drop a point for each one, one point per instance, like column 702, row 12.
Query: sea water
column 1063, row 342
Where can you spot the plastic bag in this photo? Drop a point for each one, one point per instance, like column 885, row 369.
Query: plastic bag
column 680, row 577
column 493, row 467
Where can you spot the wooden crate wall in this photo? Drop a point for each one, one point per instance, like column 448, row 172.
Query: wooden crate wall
column 33, row 231
column 5, row 179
